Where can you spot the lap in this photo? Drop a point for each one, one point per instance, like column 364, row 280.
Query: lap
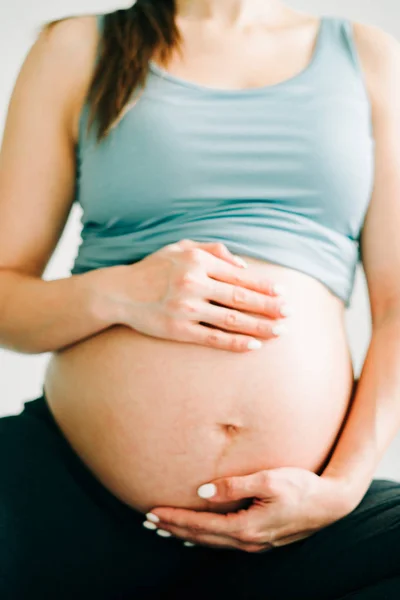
column 353, row 554
column 359, row 550
column 387, row 589
column 62, row 534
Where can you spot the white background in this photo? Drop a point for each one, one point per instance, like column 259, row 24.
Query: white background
column 21, row 376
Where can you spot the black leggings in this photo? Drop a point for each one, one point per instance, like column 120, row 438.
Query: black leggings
column 64, row 536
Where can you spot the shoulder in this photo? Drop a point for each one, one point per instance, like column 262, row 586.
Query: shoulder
column 63, row 49
column 62, row 58
column 379, row 53
column 71, row 38
column 374, row 41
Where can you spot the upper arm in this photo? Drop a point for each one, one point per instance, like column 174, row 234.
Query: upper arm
column 37, row 157
column 380, row 239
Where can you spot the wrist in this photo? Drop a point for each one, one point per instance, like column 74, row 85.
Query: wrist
column 345, row 495
column 106, row 294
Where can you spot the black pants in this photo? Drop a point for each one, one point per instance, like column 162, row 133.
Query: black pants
column 63, row 535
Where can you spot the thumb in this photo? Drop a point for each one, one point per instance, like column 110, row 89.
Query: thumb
column 255, row 485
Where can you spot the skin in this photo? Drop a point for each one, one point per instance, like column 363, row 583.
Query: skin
column 27, row 243
column 129, row 414
column 280, row 515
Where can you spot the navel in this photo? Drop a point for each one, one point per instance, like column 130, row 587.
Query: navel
column 230, row 429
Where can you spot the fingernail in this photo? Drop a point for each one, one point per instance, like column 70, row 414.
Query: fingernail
column 151, row 517
column 279, row 329
column 188, row 544
column 163, row 533
column 241, row 262
column 278, row 289
column 149, row 525
column 254, row 345
column 207, row 490
column 286, row 310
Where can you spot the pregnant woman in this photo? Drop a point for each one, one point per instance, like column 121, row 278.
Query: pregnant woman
column 200, row 431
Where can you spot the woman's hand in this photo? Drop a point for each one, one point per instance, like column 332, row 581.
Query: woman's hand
column 198, row 293
column 289, row 504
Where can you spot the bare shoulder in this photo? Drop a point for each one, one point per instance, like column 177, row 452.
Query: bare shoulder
column 65, row 51
column 38, row 139
column 379, row 53
column 373, row 41
column 70, row 35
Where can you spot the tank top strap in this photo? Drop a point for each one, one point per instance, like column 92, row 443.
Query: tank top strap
column 85, row 109
column 100, row 28
column 100, row 23
column 339, row 50
column 348, row 34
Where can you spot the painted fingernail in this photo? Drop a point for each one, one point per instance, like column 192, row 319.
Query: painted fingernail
column 149, row 525
column 254, row 345
column 241, row 262
column 151, row 517
column 163, row 533
column 207, row 490
column 279, row 289
column 188, row 544
column 286, row 310
column 279, row 329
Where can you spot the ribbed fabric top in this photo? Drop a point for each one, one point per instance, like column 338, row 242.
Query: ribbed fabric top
column 282, row 172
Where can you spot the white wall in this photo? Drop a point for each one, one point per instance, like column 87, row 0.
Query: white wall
column 21, row 377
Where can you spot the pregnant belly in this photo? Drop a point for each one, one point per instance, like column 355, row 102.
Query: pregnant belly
column 154, row 419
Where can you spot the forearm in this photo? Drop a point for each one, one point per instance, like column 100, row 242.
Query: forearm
column 42, row 316
column 374, row 418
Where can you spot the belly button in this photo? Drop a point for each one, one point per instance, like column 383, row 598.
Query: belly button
column 230, row 429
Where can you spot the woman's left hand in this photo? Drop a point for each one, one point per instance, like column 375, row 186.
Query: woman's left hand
column 289, row 504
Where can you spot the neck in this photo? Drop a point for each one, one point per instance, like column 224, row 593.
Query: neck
column 233, row 12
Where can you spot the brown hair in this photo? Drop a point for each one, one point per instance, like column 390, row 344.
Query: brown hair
column 129, row 39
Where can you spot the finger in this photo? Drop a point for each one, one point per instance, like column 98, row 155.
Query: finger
column 206, row 539
column 256, row 485
column 246, row 278
column 214, row 541
column 215, row 338
column 234, row 320
column 242, row 527
column 242, row 298
column 200, row 522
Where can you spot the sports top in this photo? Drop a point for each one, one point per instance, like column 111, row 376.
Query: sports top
column 281, row 172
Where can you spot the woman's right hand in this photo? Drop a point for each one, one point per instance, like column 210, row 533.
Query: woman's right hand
column 195, row 292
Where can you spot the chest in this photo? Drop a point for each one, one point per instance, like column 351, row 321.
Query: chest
column 242, row 60
column 307, row 154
